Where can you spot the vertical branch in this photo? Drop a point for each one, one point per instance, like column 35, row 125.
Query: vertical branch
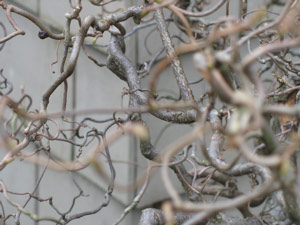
column 185, row 91
column 243, row 7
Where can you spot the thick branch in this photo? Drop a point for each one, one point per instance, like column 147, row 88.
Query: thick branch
column 72, row 60
column 156, row 217
column 185, row 91
column 128, row 69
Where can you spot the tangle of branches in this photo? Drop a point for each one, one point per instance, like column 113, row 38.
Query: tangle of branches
column 244, row 124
